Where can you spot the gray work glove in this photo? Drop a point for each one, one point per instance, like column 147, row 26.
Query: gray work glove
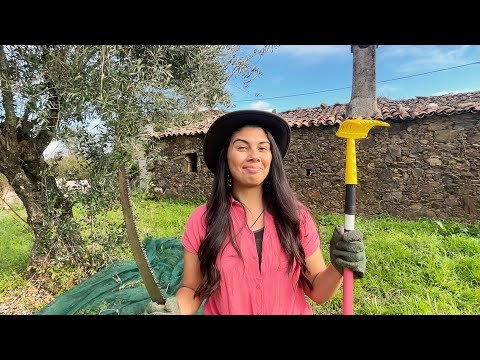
column 171, row 307
column 346, row 250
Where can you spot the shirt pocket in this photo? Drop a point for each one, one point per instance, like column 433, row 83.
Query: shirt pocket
column 229, row 261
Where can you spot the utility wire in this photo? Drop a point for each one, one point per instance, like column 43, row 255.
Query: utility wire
column 349, row 87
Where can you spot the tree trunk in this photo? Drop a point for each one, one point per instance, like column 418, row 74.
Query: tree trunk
column 25, row 177
column 142, row 165
column 142, row 161
column 363, row 102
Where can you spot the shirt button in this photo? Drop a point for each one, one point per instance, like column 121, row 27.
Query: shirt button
column 258, row 287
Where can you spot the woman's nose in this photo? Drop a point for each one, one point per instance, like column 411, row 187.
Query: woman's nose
column 254, row 155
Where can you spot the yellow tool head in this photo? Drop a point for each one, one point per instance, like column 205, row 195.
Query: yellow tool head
column 357, row 129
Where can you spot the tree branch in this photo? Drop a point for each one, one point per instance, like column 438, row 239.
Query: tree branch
column 30, row 103
column 7, row 98
column 48, row 132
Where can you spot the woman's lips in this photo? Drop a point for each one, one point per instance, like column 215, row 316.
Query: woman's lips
column 251, row 169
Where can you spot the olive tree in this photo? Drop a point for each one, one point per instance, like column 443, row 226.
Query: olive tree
column 59, row 92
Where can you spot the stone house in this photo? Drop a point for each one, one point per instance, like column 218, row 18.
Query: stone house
column 426, row 164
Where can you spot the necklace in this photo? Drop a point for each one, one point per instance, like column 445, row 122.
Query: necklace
column 257, row 218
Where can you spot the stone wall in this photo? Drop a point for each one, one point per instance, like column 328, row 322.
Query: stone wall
column 171, row 178
column 420, row 168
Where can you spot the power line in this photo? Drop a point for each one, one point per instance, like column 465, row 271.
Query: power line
column 285, row 96
column 349, row 87
column 430, row 72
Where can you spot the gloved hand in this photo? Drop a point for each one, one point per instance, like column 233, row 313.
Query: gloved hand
column 346, row 250
column 171, row 307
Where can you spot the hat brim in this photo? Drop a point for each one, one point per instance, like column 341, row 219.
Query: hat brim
column 221, row 130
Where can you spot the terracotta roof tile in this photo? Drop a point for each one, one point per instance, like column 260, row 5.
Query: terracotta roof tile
column 325, row 115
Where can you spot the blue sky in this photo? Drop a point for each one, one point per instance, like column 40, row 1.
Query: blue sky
column 297, row 69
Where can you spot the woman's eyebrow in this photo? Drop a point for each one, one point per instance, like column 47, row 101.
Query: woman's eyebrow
column 245, row 141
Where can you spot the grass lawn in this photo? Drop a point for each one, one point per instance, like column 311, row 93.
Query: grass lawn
column 413, row 267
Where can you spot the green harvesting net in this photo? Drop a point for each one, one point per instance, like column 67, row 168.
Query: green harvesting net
column 118, row 288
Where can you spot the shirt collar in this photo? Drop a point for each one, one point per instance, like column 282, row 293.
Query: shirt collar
column 233, row 201
column 238, row 203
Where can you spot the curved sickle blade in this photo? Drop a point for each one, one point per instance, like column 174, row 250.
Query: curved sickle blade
column 138, row 251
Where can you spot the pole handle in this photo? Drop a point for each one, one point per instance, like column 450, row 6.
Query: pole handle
column 347, row 295
column 347, row 300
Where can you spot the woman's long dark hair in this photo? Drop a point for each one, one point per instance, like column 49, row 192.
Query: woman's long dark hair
column 281, row 203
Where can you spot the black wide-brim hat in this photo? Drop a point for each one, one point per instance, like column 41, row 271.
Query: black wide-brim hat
column 222, row 128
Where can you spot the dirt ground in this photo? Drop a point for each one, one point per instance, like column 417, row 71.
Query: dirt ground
column 9, row 197
column 25, row 302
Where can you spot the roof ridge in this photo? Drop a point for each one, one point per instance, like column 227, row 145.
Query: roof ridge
column 389, row 109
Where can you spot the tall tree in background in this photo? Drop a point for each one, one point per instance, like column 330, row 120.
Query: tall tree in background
column 49, row 92
column 363, row 102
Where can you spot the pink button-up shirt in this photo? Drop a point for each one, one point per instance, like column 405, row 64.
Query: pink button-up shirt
column 244, row 287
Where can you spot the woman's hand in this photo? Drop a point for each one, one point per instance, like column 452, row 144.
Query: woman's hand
column 347, row 250
column 171, row 307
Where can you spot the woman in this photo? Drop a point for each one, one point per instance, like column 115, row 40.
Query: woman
column 253, row 248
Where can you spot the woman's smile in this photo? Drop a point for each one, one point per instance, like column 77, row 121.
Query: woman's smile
column 252, row 169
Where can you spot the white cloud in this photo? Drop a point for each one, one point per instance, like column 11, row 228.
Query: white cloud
column 386, row 90
column 314, row 51
column 310, row 54
column 454, row 92
column 259, row 105
column 55, row 147
column 419, row 58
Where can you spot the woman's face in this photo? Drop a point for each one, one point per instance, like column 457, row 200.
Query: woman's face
column 249, row 157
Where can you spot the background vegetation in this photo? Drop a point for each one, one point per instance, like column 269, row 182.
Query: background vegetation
column 413, row 267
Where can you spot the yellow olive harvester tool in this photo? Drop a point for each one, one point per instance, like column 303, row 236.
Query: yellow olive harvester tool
column 351, row 129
